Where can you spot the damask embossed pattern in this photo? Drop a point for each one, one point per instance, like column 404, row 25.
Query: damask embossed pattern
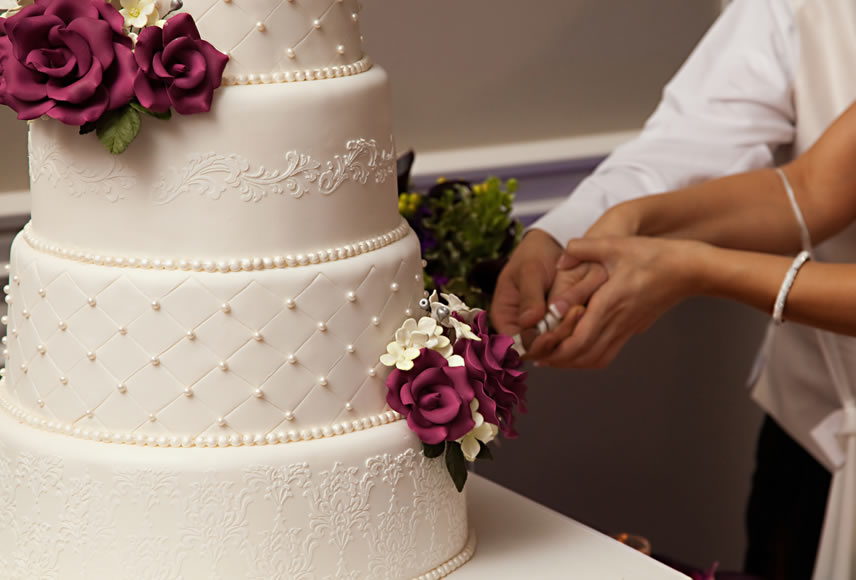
column 80, row 510
column 267, row 37
column 197, row 354
column 110, row 181
column 210, row 175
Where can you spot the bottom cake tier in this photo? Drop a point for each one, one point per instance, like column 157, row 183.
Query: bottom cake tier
column 363, row 505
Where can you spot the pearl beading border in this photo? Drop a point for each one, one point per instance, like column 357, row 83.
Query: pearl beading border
column 221, row 266
column 455, row 562
column 315, row 74
column 186, row 441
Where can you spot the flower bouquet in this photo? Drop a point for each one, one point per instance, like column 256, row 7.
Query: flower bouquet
column 466, row 232
column 457, row 384
column 99, row 65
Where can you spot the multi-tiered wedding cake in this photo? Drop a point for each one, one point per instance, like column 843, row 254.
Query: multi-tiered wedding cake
column 192, row 386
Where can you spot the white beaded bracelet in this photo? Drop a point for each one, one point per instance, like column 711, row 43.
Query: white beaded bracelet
column 782, row 297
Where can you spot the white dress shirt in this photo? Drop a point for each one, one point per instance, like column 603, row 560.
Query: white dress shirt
column 731, row 108
column 727, row 110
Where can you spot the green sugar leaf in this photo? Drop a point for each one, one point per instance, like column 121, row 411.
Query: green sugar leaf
column 166, row 116
column 433, row 450
column 116, row 129
column 484, row 452
column 456, row 463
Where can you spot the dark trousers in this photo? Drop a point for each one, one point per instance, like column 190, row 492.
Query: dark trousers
column 786, row 508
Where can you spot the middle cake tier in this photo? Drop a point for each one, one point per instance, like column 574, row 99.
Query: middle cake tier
column 137, row 353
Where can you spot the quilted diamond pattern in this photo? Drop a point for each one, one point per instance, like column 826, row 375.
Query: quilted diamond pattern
column 185, row 415
column 223, row 334
column 255, row 305
column 98, row 383
column 153, row 387
column 254, row 415
column 62, row 348
column 321, row 299
column 65, row 405
column 233, row 28
column 44, row 319
column 255, row 362
column 66, row 297
column 282, row 388
column 117, row 412
column 122, row 302
column 122, row 356
column 245, row 346
column 190, row 303
column 279, row 332
column 92, row 327
column 222, row 393
column 189, row 361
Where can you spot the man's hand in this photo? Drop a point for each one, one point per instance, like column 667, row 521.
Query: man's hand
column 519, row 301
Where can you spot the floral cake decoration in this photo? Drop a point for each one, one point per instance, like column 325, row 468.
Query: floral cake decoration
column 100, row 64
column 458, row 384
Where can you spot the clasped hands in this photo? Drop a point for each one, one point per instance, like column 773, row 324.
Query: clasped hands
column 605, row 287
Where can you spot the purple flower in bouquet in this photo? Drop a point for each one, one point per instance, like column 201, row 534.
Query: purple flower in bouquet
column 492, row 365
column 67, row 59
column 434, row 396
column 440, row 280
column 427, row 239
column 177, row 68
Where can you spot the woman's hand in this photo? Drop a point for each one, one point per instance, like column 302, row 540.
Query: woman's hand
column 576, row 281
column 644, row 278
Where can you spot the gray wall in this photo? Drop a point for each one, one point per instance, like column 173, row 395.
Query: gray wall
column 660, row 443
column 476, row 72
column 13, row 153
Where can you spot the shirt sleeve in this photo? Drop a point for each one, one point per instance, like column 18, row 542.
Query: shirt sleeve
column 727, row 110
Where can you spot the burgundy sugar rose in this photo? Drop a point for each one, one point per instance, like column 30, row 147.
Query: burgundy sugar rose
column 492, row 367
column 177, row 67
column 434, row 397
column 5, row 52
column 67, row 59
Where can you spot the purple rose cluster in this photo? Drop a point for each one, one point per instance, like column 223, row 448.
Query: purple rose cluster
column 72, row 61
column 435, row 397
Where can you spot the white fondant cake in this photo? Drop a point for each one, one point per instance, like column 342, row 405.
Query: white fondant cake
column 192, row 386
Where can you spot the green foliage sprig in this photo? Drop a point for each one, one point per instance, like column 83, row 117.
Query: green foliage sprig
column 467, row 233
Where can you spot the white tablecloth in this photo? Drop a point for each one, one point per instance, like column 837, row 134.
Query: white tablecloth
column 518, row 538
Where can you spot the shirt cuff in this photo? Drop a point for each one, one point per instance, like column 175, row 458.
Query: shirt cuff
column 568, row 220
column 605, row 188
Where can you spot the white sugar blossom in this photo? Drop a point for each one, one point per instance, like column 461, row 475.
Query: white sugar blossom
column 459, row 306
column 483, row 431
column 139, row 13
column 443, row 314
column 462, row 329
column 10, row 7
column 456, row 360
column 439, row 311
column 414, row 336
column 424, row 334
column 399, row 356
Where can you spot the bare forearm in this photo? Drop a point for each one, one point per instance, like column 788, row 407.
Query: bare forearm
column 751, row 211
column 823, row 295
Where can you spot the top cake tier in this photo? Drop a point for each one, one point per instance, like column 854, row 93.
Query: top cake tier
column 282, row 40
